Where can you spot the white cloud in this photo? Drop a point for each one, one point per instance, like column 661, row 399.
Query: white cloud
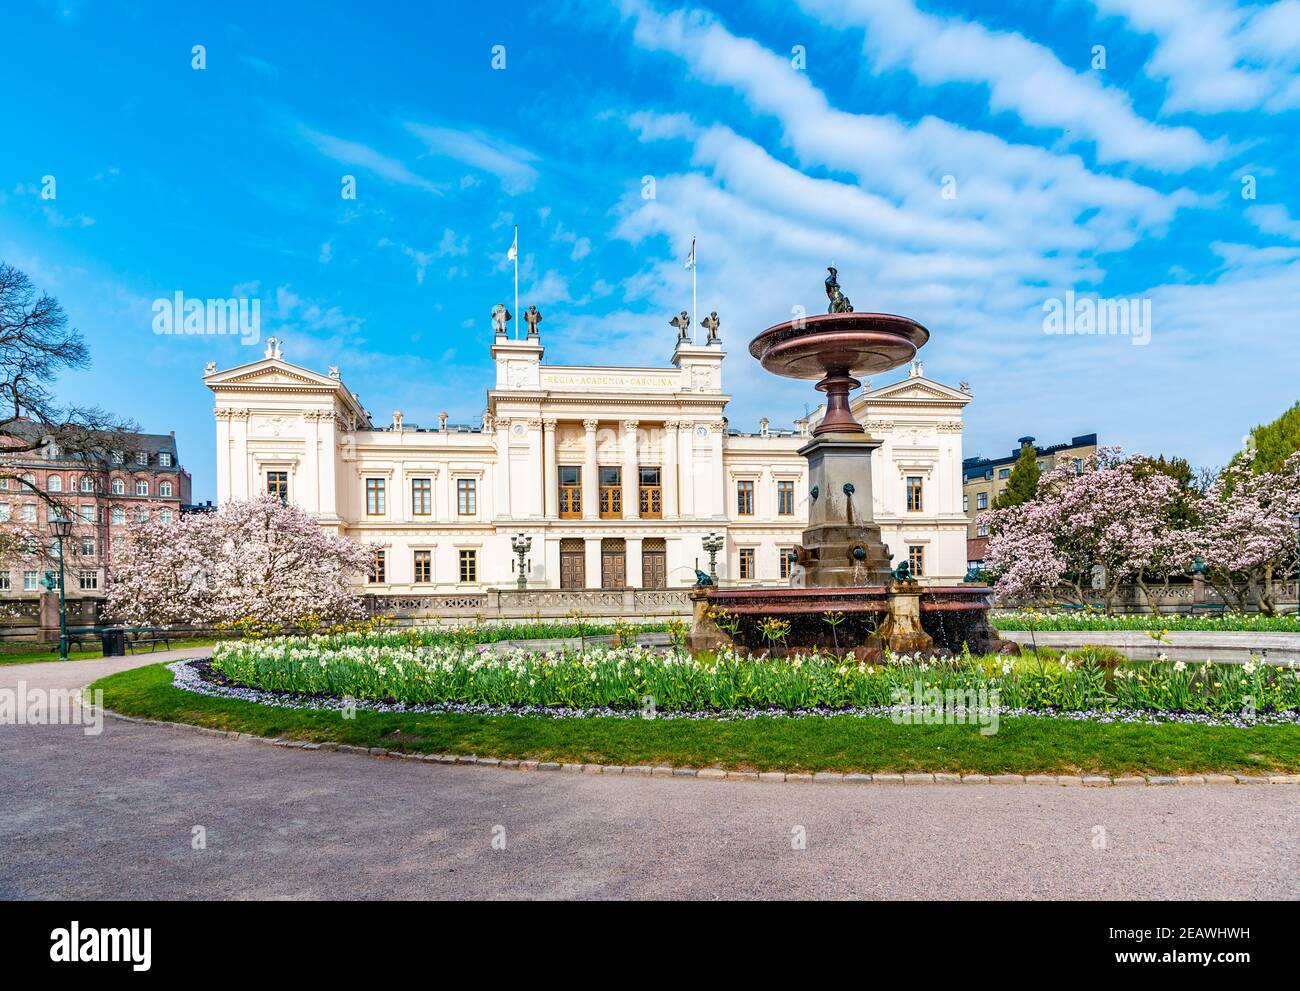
column 511, row 164
column 353, row 153
column 1274, row 219
column 1023, row 77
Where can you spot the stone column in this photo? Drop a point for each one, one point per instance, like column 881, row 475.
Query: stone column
column 668, row 469
column 223, row 455
column 721, row 495
column 631, row 478
column 551, row 473
column 502, row 508
column 241, row 483
column 686, row 469
column 590, row 483
column 536, row 486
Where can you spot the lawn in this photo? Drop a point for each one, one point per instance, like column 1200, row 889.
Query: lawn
column 839, row 743
column 31, row 653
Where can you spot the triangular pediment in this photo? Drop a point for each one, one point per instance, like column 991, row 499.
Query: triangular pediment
column 915, row 388
column 271, row 372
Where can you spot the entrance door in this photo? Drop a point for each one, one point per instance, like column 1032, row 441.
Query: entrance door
column 654, row 569
column 573, row 568
column 613, row 564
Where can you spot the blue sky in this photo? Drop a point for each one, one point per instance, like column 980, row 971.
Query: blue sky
column 783, row 134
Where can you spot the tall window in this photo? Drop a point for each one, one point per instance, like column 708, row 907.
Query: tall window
column 29, row 512
column 422, row 497
column 142, row 457
column 465, row 497
column 378, row 573
column 4, row 581
column 424, row 566
column 611, row 493
column 914, row 503
column 87, row 546
column 119, row 487
column 965, row 504
column 165, row 489
column 981, row 500
column 785, row 498
column 570, row 491
column 164, row 460
column 54, row 483
column 117, row 515
column 29, row 581
column 982, row 530
column 86, row 512
column 650, row 493
column 277, row 484
column 142, row 488
column 747, row 562
column 787, row 559
column 374, row 497
column 745, row 498
column 87, row 484
column 89, row 580
column 468, row 566
column 916, row 560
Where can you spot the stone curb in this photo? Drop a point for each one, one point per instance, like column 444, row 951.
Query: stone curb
column 719, row 774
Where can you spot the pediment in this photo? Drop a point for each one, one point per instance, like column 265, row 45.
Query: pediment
column 271, row 372
column 918, row 389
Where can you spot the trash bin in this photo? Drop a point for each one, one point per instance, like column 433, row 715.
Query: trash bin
column 114, row 641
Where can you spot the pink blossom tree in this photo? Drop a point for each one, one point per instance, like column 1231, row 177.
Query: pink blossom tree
column 1087, row 531
column 261, row 565
column 1247, row 535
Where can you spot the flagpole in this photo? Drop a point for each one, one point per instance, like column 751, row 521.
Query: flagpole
column 695, row 263
column 518, row 319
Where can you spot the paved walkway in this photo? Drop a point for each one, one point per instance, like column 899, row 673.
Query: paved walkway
column 1192, row 646
column 78, row 674
column 113, row 816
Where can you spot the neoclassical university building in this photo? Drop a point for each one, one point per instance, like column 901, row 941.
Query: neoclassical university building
column 616, row 475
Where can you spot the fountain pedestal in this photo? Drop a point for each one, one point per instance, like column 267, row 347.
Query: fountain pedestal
column 842, row 545
column 901, row 631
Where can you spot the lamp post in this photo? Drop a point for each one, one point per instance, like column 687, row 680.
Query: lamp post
column 521, row 546
column 62, row 530
column 712, row 543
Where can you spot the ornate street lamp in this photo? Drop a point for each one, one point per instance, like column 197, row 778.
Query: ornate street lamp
column 521, row 546
column 62, row 530
column 712, row 543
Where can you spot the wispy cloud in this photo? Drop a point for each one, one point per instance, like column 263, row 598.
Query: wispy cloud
column 511, row 164
column 356, row 154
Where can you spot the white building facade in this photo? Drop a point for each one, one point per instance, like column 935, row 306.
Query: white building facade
column 614, row 475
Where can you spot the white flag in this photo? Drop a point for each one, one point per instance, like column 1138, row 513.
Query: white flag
column 690, row 259
column 513, row 253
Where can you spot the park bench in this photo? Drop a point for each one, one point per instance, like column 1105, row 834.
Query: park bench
column 138, row 637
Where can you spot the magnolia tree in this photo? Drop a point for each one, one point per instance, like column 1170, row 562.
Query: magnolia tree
column 262, row 565
column 1247, row 536
column 1089, row 531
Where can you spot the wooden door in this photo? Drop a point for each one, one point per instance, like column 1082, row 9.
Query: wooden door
column 613, row 569
column 654, row 569
column 573, row 569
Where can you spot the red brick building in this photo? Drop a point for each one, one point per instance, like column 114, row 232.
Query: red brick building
column 138, row 475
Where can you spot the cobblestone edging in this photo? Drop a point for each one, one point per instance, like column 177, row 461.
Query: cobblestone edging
column 718, row 774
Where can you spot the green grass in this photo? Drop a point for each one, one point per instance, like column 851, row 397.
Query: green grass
column 841, row 743
column 30, row 654
column 1087, row 621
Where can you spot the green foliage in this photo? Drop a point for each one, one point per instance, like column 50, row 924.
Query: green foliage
column 1093, row 619
column 1182, row 512
column 1022, row 486
column 1272, row 443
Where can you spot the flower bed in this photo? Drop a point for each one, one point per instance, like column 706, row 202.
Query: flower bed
column 628, row 678
column 1088, row 620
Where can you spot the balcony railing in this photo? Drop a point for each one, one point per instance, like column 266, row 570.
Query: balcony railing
column 611, row 502
column 652, row 503
column 570, row 502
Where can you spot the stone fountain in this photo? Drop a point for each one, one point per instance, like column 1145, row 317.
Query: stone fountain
column 845, row 564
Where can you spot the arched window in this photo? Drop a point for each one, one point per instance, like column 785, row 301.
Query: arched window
column 54, row 483
column 164, row 488
column 119, row 487
column 141, row 487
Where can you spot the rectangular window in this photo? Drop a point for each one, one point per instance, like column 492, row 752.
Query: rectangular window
column 424, row 566
column 164, row 460
column 29, row 581
column 5, row 512
column 982, row 530
column 118, row 458
column 117, row 515
column 469, row 566
column 570, row 491
column 611, row 493
column 785, row 498
column 745, row 498
column 277, row 484
column 88, row 580
column 1004, row 473
column 87, row 546
column 465, row 497
column 914, row 502
column 87, row 484
column 982, row 500
column 86, row 512
column 916, row 560
column 4, row 581
column 29, row 512
column 422, row 496
column 747, row 562
column 142, row 457
column 650, row 493
column 374, row 497
column 378, row 574
column 787, row 559
column 165, row 516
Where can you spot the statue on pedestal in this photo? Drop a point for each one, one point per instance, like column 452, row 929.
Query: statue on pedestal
column 711, row 324
column 532, row 317
column 683, row 324
column 839, row 302
column 499, row 317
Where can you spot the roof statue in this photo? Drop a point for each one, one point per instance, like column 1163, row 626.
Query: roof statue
column 499, row 317
column 683, row 324
column 711, row 324
column 532, row 317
